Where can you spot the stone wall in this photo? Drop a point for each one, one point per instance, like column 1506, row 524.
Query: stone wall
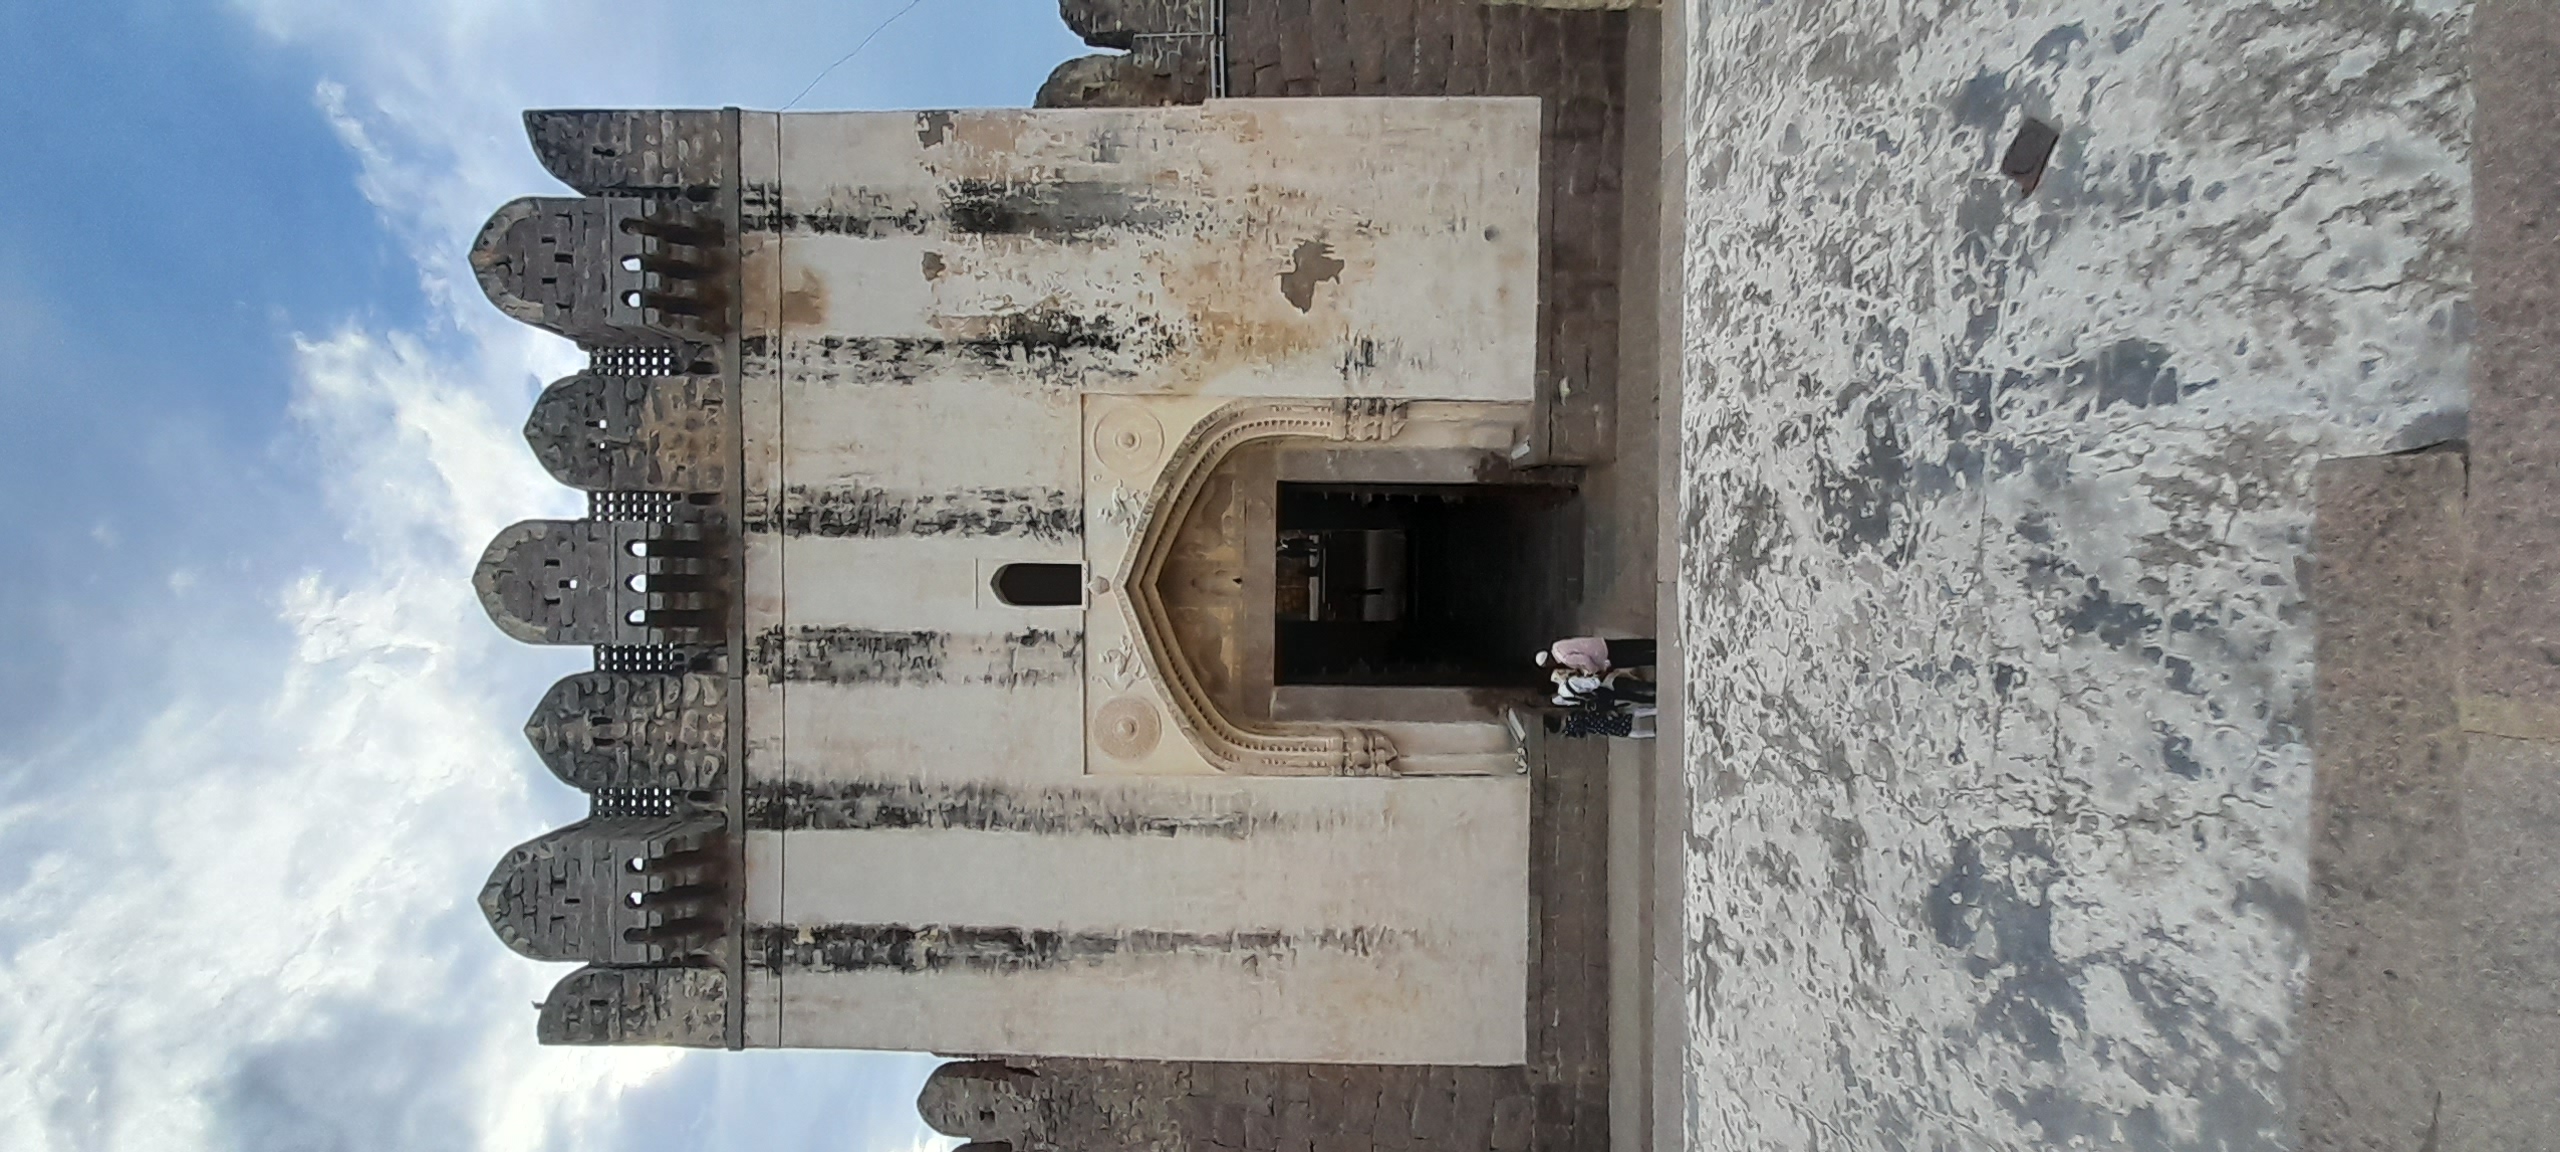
column 1572, row 59
column 1073, row 1105
column 1557, row 1103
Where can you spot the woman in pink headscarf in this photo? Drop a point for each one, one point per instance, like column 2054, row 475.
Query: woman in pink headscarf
column 1593, row 655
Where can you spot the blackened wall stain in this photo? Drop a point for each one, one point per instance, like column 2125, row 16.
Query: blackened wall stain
column 834, row 655
column 1047, row 514
column 972, row 948
column 1049, row 345
column 860, row 213
column 1051, row 209
column 993, row 807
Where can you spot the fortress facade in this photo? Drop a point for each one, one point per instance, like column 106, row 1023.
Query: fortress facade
column 1055, row 576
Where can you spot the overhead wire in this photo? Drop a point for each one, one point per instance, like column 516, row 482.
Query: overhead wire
column 857, row 51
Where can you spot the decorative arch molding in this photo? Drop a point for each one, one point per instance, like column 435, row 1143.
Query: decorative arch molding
column 1229, row 744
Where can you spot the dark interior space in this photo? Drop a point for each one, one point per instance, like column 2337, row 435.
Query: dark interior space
column 1418, row 585
column 1040, row 585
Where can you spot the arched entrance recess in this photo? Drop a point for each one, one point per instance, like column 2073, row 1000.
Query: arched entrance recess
column 1232, row 744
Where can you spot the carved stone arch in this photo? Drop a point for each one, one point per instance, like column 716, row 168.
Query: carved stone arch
column 1232, row 744
column 614, row 730
column 687, row 1007
column 632, row 433
column 575, row 894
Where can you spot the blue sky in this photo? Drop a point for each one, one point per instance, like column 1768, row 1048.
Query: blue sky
column 257, row 743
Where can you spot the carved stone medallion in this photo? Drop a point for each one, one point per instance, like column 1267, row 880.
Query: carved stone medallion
column 1127, row 728
column 1128, row 440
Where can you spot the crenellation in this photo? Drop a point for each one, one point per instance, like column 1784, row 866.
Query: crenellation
column 603, row 582
column 601, row 152
column 599, row 730
column 614, row 891
column 1164, row 51
column 608, row 271
column 684, row 1007
column 633, row 433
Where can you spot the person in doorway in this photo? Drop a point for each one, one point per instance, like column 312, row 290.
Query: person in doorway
column 1614, row 688
column 1594, row 655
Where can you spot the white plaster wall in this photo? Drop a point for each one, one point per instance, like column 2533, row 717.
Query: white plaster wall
column 1430, row 206
column 1205, row 917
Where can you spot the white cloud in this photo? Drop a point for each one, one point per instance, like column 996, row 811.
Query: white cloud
column 245, row 919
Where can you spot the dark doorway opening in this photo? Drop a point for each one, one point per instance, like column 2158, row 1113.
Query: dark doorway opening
column 1040, row 585
column 1446, row 585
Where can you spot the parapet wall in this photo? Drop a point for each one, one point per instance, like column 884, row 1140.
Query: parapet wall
column 1100, row 1105
column 641, row 272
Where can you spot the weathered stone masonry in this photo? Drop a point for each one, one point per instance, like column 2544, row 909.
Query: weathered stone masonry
column 638, row 272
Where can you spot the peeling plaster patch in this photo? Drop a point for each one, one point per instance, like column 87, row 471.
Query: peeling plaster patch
column 932, row 127
column 831, row 655
column 804, row 300
column 1051, row 209
column 1047, row 514
column 1992, row 519
column 1310, row 264
column 932, row 265
column 941, row 947
column 987, row 807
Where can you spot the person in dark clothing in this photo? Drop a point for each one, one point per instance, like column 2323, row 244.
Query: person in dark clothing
column 1595, row 719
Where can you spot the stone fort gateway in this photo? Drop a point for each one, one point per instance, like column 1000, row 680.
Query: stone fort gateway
column 1055, row 578
column 1061, row 579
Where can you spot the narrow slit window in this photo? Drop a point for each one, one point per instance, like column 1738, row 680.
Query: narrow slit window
column 1040, row 585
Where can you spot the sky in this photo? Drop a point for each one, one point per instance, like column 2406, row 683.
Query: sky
column 258, row 744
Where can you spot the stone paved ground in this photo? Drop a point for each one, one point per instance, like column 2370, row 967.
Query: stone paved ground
column 1996, row 543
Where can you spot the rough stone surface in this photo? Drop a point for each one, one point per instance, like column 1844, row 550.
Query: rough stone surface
column 576, row 894
column 680, row 1006
column 633, row 433
column 601, row 582
column 603, row 730
column 1163, row 50
column 1995, row 534
column 2379, row 1044
column 2511, row 671
column 607, row 271
column 606, row 151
